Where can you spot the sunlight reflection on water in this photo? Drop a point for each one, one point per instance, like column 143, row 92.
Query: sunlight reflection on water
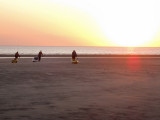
column 80, row 50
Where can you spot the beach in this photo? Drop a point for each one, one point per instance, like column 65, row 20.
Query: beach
column 99, row 88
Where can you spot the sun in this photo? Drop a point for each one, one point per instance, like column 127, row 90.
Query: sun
column 122, row 22
column 134, row 34
column 124, row 25
column 129, row 43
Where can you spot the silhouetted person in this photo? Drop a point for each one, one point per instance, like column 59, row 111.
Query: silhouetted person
column 17, row 55
column 74, row 55
column 40, row 55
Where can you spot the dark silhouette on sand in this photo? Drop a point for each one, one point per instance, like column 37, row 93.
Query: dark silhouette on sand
column 40, row 55
column 74, row 55
column 17, row 55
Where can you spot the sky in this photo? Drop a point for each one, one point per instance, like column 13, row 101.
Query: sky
column 80, row 23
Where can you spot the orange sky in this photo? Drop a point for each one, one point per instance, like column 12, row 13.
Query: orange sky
column 80, row 23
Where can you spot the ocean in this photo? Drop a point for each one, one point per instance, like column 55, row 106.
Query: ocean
column 52, row 50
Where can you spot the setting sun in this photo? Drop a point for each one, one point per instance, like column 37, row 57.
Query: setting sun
column 80, row 23
column 127, row 23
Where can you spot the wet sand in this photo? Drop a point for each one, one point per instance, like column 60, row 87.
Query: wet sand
column 95, row 89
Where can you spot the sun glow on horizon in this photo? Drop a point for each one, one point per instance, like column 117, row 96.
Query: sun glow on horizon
column 80, row 23
column 125, row 23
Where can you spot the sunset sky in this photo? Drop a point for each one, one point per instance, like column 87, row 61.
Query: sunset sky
column 80, row 23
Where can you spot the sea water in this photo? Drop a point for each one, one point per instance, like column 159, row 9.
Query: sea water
column 52, row 50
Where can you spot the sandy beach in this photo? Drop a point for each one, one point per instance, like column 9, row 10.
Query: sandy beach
column 124, row 88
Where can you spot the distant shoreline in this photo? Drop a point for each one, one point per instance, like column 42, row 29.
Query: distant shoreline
column 88, row 55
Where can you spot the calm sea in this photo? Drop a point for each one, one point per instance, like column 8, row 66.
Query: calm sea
column 31, row 50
